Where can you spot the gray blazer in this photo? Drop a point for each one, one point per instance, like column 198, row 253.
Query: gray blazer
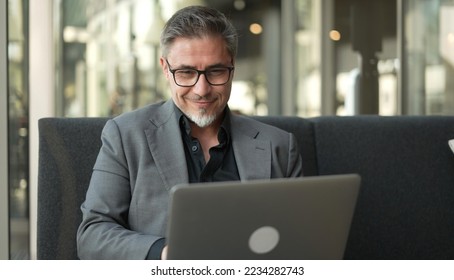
column 142, row 157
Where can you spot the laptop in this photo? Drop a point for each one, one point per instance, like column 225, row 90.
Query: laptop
column 287, row 218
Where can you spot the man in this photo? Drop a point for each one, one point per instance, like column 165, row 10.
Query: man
column 193, row 137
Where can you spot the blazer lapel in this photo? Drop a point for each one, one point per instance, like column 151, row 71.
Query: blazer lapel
column 253, row 156
column 166, row 146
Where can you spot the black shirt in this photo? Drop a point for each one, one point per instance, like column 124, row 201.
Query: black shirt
column 222, row 164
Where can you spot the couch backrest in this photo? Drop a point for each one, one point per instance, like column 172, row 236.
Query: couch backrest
column 406, row 204
column 68, row 148
column 405, row 208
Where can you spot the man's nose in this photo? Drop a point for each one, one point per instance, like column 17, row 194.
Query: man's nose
column 202, row 87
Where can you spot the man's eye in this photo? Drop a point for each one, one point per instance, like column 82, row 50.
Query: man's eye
column 186, row 72
column 217, row 71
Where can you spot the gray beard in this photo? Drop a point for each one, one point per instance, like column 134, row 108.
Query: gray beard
column 202, row 119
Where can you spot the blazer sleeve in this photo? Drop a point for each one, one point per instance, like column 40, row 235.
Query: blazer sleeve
column 104, row 232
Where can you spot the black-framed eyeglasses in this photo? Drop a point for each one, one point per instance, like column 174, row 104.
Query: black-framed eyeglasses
column 188, row 77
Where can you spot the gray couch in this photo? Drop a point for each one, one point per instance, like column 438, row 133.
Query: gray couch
column 405, row 208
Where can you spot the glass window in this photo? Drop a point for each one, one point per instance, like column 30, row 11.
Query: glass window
column 110, row 55
column 18, row 127
column 308, row 56
column 365, row 57
column 428, row 57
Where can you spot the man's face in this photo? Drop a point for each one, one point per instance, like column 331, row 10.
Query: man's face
column 202, row 103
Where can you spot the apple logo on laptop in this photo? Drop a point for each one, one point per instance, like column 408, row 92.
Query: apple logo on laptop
column 263, row 240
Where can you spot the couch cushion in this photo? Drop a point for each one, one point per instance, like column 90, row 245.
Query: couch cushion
column 406, row 205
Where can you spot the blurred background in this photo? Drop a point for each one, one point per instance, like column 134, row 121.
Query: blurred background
column 307, row 58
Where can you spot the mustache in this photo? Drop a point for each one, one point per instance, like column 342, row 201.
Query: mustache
column 197, row 97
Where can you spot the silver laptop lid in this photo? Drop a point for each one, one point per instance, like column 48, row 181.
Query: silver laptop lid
column 291, row 218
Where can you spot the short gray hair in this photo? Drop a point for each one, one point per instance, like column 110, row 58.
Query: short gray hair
column 197, row 22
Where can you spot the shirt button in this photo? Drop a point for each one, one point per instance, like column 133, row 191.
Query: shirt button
column 194, row 148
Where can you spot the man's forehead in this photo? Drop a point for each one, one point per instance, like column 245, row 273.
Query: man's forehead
column 212, row 49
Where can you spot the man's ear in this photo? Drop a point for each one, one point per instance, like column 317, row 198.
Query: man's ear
column 164, row 67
